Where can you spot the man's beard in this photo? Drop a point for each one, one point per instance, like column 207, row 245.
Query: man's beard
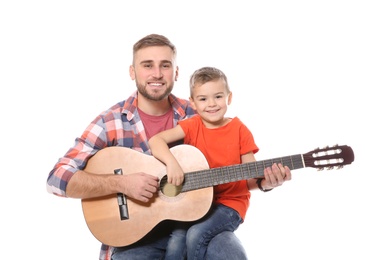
column 142, row 90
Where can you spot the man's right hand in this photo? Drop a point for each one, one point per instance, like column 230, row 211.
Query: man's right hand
column 140, row 186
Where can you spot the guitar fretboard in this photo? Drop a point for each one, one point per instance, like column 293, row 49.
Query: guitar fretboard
column 212, row 177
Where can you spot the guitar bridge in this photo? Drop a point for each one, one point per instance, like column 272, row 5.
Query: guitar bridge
column 122, row 200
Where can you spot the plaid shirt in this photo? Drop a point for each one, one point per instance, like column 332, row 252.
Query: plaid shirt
column 120, row 125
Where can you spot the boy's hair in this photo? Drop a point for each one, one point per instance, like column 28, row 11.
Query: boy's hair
column 206, row 74
column 153, row 40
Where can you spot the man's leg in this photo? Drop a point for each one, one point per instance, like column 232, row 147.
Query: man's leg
column 152, row 246
column 176, row 247
column 155, row 251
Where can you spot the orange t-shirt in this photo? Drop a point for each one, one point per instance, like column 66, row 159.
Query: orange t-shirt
column 223, row 147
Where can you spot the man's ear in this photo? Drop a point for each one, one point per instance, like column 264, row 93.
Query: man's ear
column 177, row 73
column 132, row 72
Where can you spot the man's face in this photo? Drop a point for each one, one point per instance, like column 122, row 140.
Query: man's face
column 154, row 71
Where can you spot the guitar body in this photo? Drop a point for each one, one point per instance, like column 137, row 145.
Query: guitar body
column 102, row 214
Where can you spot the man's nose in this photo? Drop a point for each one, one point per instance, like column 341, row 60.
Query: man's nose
column 157, row 72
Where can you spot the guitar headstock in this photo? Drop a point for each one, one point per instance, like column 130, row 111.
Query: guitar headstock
column 329, row 157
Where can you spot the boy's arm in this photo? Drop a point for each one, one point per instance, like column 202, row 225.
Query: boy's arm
column 274, row 176
column 159, row 148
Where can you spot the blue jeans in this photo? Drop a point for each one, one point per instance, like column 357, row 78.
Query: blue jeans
column 151, row 251
column 199, row 235
column 192, row 239
column 176, row 247
column 222, row 246
column 226, row 246
column 151, row 247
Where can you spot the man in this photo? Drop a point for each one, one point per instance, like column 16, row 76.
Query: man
column 130, row 123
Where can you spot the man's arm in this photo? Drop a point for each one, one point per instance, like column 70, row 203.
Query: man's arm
column 140, row 186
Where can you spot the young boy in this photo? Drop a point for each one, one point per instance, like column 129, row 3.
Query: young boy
column 223, row 141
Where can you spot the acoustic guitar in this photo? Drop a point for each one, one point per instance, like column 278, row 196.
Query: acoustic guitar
column 117, row 220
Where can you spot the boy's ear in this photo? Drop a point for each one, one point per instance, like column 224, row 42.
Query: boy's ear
column 192, row 103
column 229, row 98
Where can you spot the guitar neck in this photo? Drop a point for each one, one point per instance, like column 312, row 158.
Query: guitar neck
column 212, row 177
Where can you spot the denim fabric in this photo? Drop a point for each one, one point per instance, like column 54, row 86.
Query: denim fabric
column 176, row 247
column 203, row 237
column 219, row 219
column 148, row 251
column 211, row 238
column 226, row 246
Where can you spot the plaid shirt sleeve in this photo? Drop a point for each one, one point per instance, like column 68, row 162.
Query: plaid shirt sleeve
column 116, row 126
column 92, row 140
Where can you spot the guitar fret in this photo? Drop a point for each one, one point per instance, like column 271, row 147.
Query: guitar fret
column 236, row 175
column 216, row 178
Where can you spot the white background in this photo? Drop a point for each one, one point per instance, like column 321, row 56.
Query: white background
column 296, row 69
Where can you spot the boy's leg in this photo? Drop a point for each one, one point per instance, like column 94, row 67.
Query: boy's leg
column 224, row 246
column 219, row 219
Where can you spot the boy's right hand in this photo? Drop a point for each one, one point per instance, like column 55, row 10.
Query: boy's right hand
column 175, row 174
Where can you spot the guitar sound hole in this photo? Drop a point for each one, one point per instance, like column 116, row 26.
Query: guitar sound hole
column 169, row 189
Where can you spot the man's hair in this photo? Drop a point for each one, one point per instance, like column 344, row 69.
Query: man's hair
column 153, row 40
column 207, row 74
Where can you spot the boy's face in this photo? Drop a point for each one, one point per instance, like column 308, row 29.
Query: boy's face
column 154, row 71
column 211, row 101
